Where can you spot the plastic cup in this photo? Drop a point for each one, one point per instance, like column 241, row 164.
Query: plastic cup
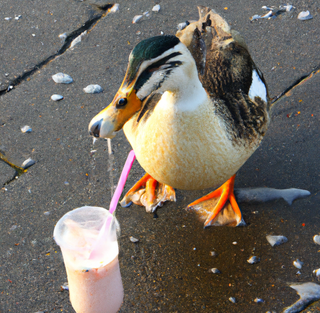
column 87, row 237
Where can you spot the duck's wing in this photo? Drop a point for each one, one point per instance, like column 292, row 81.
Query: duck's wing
column 228, row 74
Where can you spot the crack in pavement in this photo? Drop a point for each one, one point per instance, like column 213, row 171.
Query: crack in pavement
column 298, row 82
column 18, row 170
column 87, row 26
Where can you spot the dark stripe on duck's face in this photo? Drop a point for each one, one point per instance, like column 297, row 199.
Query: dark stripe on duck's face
column 149, row 49
column 147, row 73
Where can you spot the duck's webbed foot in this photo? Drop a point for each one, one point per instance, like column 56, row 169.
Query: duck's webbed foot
column 149, row 193
column 219, row 207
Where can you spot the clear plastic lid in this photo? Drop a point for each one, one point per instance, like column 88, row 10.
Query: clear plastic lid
column 87, row 237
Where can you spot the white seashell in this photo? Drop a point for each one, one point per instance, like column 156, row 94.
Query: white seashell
column 146, row 13
column 317, row 272
column 288, row 7
column 232, row 299
column 298, row 273
column 266, row 8
column 234, row 243
column 297, row 263
column 26, row 129
column 267, row 15
column 183, row 25
column 56, row 97
column 61, row 78
column 27, row 163
column 132, row 239
column 115, row 8
column 63, row 36
column 18, row 17
column 65, row 286
column 93, row 89
column 136, row 19
column 78, row 39
column 304, row 15
column 276, row 240
column 258, row 300
column 156, row 8
column 8, row 18
column 254, row 259
column 316, row 239
column 46, row 213
column 214, row 270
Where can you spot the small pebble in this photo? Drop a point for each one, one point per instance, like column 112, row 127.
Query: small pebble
column 288, row 7
column 132, row 239
column 254, row 259
column 63, row 36
column 194, row 248
column 27, row 163
column 65, row 286
column 258, row 300
column 78, row 39
column 316, row 239
column 66, row 183
column 298, row 264
column 234, row 243
column 214, row 270
column 183, row 25
column 92, row 152
column 26, row 129
column 61, row 78
column 213, row 253
column 317, row 272
column 93, row 89
column 46, row 213
column 298, row 273
column 304, row 15
column 156, row 8
column 56, row 97
column 13, row 227
column 136, row 19
column 115, row 8
column 232, row 299
column 8, row 18
column 276, row 240
column 18, row 17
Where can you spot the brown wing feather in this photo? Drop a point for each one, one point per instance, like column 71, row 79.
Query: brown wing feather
column 226, row 74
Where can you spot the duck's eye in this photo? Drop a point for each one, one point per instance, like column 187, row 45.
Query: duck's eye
column 122, row 102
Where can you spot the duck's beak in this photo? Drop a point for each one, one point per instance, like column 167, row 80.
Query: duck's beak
column 110, row 120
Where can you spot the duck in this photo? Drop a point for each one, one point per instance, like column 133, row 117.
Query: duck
column 194, row 107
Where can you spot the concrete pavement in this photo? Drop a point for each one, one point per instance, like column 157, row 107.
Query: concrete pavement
column 167, row 271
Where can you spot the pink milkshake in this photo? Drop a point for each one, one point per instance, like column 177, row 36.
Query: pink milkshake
column 87, row 237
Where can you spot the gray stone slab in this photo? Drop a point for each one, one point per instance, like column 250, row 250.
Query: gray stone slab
column 7, row 173
column 32, row 33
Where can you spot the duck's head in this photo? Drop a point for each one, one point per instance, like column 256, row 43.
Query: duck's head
column 157, row 64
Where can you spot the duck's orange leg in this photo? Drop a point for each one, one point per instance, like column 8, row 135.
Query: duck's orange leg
column 224, row 211
column 149, row 193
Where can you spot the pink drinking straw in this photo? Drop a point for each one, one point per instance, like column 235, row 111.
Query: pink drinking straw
column 122, row 181
column 114, row 201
